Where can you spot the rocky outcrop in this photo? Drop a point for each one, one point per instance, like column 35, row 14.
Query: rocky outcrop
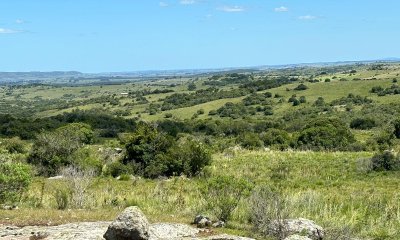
column 131, row 224
column 299, row 226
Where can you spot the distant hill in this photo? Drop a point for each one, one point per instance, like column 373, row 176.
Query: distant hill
column 32, row 76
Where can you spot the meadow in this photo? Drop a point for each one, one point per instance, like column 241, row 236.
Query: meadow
column 309, row 134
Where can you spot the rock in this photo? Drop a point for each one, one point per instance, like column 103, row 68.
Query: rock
column 297, row 237
column 13, row 207
column 56, row 177
column 202, row 221
column 219, row 224
column 131, row 224
column 301, row 226
column 118, row 150
column 172, row 231
column 39, row 235
column 227, row 237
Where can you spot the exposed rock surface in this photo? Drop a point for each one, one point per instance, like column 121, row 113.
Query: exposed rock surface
column 297, row 237
column 302, row 226
column 96, row 230
column 131, row 224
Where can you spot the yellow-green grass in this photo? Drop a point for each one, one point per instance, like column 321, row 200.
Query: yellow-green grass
column 332, row 188
column 188, row 112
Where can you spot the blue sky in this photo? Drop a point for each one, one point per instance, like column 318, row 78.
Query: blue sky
column 130, row 35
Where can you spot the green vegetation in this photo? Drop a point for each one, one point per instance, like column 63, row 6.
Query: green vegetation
column 246, row 147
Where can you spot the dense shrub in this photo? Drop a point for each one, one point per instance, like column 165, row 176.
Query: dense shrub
column 250, row 141
column 14, row 180
column 155, row 154
column 117, row 168
column 53, row 150
column 276, row 137
column 363, row 123
column 386, row 161
column 325, row 133
column 14, row 145
column 301, row 87
column 397, row 128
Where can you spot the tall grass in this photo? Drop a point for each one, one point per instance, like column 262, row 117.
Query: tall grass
column 328, row 187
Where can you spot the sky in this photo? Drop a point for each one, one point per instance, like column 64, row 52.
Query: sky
column 135, row 35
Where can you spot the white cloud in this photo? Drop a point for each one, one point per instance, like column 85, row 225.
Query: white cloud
column 281, row 9
column 163, row 4
column 308, row 17
column 232, row 9
column 187, row 2
column 19, row 21
column 8, row 31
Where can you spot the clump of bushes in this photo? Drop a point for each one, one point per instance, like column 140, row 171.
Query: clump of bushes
column 363, row 123
column 301, row 87
column 53, row 150
column 14, row 180
column 152, row 154
column 325, row 133
column 385, row 161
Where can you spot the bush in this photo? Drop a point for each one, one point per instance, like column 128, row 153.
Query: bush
column 325, row 133
column 397, row 128
column 224, row 194
column 268, row 212
column 386, row 161
column 276, row 137
column 250, row 141
column 62, row 198
column 190, row 157
column 53, row 150
column 15, row 145
column 363, row 123
column 301, row 87
column 14, row 180
column 116, row 169
column 155, row 154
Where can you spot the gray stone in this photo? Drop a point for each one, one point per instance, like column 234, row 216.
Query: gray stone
column 131, row 224
column 202, row 221
column 219, row 224
column 300, row 226
column 297, row 237
column 227, row 237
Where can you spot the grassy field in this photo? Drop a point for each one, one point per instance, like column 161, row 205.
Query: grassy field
column 332, row 188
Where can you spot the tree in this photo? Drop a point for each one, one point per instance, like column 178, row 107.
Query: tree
column 192, row 86
column 301, row 87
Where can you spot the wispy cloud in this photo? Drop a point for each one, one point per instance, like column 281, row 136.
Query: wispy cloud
column 308, row 17
column 232, row 9
column 163, row 4
column 281, row 9
column 187, row 2
column 20, row 21
column 8, row 31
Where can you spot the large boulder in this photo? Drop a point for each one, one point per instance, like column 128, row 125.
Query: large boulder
column 131, row 224
column 300, row 226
